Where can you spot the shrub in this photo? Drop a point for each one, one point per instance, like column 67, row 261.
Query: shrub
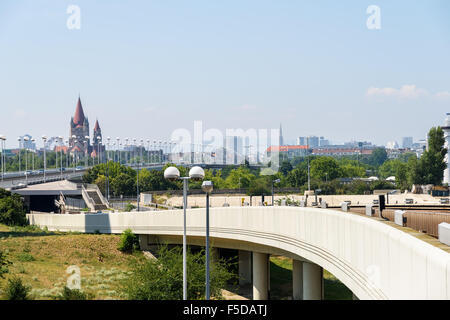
column 129, row 207
column 74, row 294
column 16, row 290
column 25, row 257
column 162, row 278
column 128, row 241
column 12, row 211
column 4, row 263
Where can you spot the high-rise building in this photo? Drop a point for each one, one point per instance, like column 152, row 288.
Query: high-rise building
column 407, row 142
column 301, row 141
column 323, row 142
column 312, row 142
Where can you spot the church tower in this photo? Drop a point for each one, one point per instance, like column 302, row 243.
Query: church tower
column 97, row 141
column 79, row 130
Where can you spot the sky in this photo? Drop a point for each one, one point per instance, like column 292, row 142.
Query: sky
column 147, row 68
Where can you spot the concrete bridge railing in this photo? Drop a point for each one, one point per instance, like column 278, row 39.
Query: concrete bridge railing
column 372, row 258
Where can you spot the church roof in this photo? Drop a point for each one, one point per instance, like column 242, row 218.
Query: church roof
column 78, row 119
column 97, row 126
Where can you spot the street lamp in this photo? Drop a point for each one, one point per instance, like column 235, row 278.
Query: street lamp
column 26, row 159
column 60, row 154
column 172, row 174
column 20, row 150
column 207, row 187
column 2, row 140
column 44, row 139
column 98, row 148
column 86, row 152
column 32, row 155
column 273, row 182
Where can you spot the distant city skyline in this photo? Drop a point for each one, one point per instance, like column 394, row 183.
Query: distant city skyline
column 146, row 68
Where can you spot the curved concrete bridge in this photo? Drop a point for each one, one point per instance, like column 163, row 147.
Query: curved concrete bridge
column 373, row 259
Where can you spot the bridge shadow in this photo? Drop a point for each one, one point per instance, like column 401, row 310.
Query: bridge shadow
column 97, row 223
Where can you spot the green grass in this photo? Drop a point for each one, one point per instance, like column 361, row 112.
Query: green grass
column 41, row 258
column 281, row 282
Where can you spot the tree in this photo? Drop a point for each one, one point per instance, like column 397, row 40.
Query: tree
column 285, row 167
column 432, row 160
column 12, row 211
column 123, row 184
column 162, row 278
column 325, row 168
column 378, row 157
column 297, row 177
column 259, row 187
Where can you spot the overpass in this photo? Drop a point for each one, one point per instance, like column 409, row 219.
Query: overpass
column 373, row 258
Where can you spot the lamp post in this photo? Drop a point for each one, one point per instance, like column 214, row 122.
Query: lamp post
column 44, row 139
column 207, row 187
column 172, row 174
column 98, row 149
column 273, row 182
column 2, row 141
column 118, row 150
column 32, row 155
column 137, row 182
column 86, row 152
column 20, row 150
column 60, row 154
column 127, row 153
column 26, row 160
column 148, row 151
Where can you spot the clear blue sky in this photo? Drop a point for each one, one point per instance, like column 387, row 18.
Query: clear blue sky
column 314, row 66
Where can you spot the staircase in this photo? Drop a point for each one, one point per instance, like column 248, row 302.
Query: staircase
column 94, row 199
column 98, row 204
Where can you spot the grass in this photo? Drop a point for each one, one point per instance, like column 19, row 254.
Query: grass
column 281, row 282
column 41, row 258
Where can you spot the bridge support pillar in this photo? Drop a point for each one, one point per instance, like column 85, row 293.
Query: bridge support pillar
column 260, row 276
column 297, row 280
column 312, row 281
column 245, row 267
column 148, row 242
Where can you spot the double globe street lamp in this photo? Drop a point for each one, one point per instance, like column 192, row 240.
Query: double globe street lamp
column 196, row 174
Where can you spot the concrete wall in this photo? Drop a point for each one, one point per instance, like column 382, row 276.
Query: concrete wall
column 373, row 259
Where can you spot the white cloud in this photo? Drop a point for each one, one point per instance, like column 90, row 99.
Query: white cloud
column 407, row 91
column 443, row 95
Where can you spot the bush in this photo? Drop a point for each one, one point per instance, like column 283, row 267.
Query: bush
column 162, row 278
column 128, row 241
column 129, row 207
column 25, row 257
column 12, row 211
column 74, row 294
column 4, row 263
column 16, row 290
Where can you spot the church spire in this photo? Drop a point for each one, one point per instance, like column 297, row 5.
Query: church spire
column 78, row 119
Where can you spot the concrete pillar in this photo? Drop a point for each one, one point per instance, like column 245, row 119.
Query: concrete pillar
column 312, row 281
column 245, row 267
column 260, row 276
column 297, row 280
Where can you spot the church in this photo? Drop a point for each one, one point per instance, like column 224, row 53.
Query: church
column 79, row 140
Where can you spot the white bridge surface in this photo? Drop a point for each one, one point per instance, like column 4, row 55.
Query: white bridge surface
column 372, row 258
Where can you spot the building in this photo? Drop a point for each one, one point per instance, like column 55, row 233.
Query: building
column 289, row 151
column 79, row 141
column 323, row 142
column 301, row 141
column 337, row 151
column 407, row 142
column 312, row 142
